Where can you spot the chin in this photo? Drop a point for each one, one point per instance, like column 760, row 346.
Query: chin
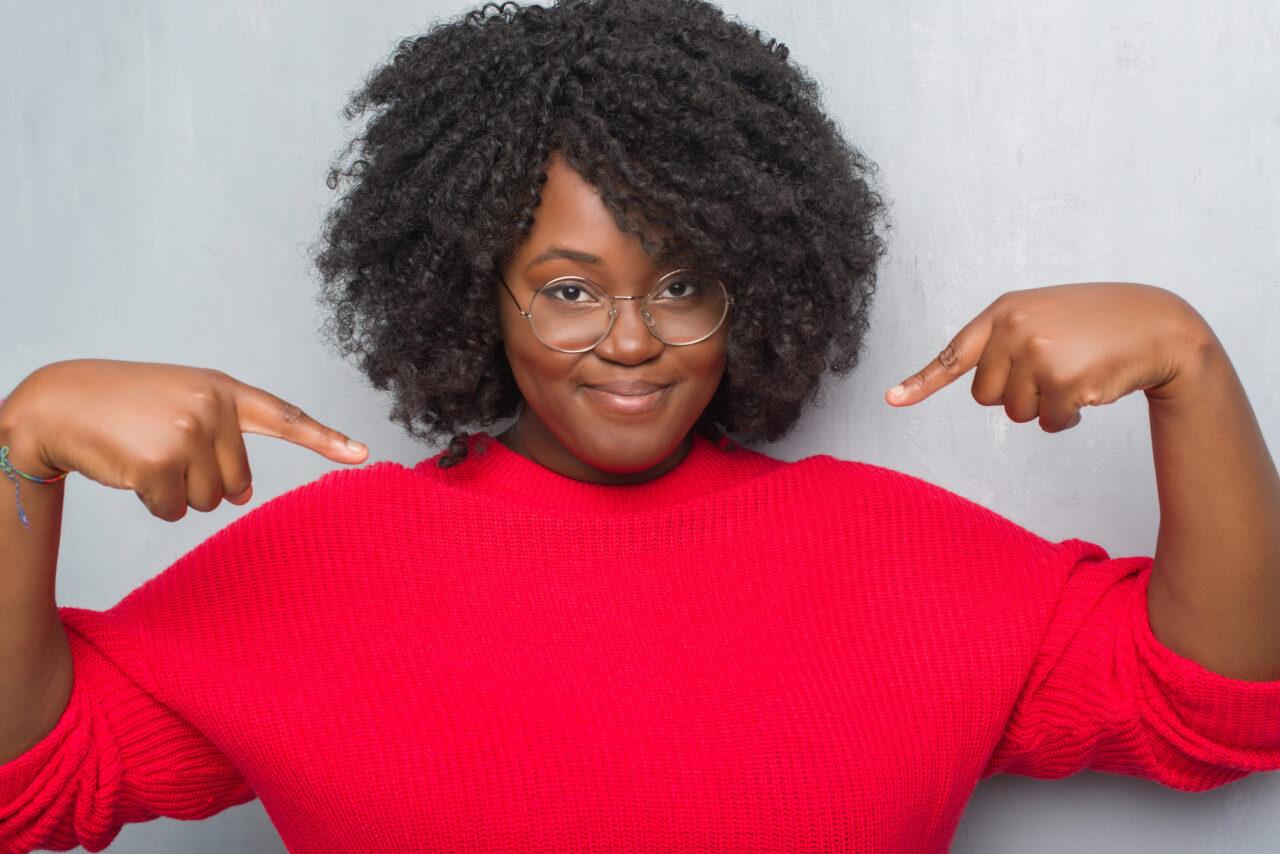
column 630, row 458
column 624, row 462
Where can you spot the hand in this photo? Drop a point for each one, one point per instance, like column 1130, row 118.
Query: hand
column 170, row 433
column 1047, row 353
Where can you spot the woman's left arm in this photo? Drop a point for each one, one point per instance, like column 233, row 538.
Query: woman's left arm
column 1214, row 595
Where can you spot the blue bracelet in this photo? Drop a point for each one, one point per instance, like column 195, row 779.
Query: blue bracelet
column 13, row 474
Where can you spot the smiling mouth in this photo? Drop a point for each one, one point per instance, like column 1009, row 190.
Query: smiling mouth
column 628, row 397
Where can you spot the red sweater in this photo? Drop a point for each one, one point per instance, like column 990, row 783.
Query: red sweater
column 743, row 655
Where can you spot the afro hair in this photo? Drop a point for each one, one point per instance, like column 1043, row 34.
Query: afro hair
column 691, row 126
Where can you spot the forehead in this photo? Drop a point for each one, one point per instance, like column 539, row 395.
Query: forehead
column 575, row 232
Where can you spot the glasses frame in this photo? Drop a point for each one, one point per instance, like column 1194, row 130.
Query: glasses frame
column 613, row 308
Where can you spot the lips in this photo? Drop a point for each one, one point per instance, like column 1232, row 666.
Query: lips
column 628, row 397
column 627, row 388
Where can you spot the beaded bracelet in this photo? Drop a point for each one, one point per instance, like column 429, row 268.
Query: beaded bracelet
column 13, row 474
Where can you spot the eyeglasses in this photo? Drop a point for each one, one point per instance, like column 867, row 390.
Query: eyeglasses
column 572, row 314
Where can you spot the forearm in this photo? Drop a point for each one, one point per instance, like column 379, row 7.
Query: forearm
column 35, row 661
column 1215, row 588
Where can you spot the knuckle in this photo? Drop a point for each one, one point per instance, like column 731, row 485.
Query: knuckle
column 1018, row 413
column 1070, row 387
column 237, row 485
column 291, row 414
column 1038, row 345
column 1007, row 299
column 203, row 401
column 1050, row 425
column 1056, row 378
column 160, row 462
column 988, row 398
column 188, row 426
column 1061, row 421
column 1017, row 319
column 150, row 464
column 170, row 511
column 205, row 503
column 917, row 380
column 949, row 358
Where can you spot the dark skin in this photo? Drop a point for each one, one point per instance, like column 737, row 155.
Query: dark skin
column 622, row 412
column 170, row 433
column 173, row 435
column 1047, row 353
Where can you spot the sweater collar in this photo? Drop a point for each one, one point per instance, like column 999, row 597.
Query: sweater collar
column 493, row 469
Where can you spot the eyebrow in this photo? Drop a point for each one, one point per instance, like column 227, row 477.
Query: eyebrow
column 567, row 254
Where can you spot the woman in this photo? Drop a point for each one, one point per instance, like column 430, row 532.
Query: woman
column 605, row 629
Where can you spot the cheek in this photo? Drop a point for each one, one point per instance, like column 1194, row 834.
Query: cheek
column 539, row 371
column 534, row 368
column 706, row 367
column 525, row 353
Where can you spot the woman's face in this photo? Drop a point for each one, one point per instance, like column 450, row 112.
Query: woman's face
column 622, row 412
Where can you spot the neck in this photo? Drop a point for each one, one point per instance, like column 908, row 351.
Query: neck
column 531, row 439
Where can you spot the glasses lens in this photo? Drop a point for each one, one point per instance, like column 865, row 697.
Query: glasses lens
column 570, row 314
column 687, row 306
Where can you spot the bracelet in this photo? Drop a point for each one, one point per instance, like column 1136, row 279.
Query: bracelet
column 10, row 471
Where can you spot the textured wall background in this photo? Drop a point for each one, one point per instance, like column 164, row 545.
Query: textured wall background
column 164, row 179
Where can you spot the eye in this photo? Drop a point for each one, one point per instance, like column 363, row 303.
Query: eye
column 568, row 292
column 681, row 289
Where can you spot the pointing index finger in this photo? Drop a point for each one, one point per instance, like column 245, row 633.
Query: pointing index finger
column 265, row 414
column 957, row 359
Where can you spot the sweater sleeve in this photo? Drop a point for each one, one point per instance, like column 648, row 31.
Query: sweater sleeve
column 1102, row 693
column 117, row 755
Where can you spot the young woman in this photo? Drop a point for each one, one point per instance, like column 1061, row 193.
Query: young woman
column 627, row 227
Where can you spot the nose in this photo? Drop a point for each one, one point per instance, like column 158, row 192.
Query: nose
column 629, row 342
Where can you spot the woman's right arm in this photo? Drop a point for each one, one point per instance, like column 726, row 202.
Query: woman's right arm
column 170, row 433
column 35, row 661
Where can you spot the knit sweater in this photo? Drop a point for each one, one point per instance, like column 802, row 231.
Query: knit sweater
column 742, row 655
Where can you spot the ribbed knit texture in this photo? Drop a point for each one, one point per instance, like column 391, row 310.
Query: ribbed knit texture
column 743, row 655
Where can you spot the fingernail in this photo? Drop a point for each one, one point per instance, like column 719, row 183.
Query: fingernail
column 353, row 445
column 897, row 391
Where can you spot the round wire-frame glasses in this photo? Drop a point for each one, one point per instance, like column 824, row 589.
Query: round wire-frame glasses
column 569, row 313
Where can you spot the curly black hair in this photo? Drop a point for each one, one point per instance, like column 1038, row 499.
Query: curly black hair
column 688, row 123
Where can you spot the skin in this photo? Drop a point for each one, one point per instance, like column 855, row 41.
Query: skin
column 170, row 433
column 173, row 435
column 573, row 420
column 1045, row 354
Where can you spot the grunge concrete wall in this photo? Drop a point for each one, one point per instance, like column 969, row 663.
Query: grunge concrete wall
column 163, row 177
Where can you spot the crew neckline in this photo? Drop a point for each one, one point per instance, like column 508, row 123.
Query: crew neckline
column 493, row 468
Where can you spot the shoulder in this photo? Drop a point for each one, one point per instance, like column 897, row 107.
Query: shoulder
column 343, row 489
column 312, row 537
column 908, row 510
column 338, row 513
column 867, row 483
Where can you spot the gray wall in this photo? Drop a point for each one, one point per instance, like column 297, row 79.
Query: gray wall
column 163, row 178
